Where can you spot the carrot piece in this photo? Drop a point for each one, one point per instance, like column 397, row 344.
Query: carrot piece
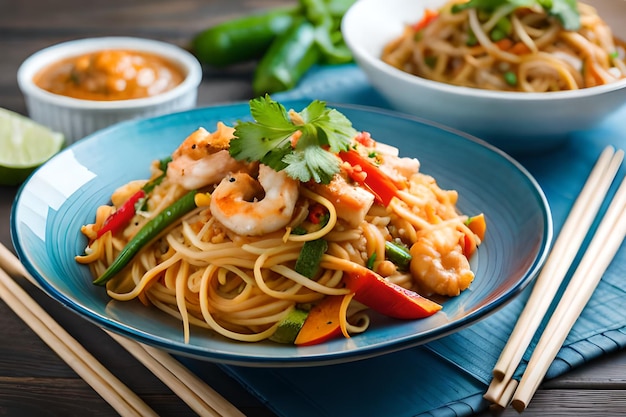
column 478, row 225
column 504, row 44
column 520, row 48
column 323, row 322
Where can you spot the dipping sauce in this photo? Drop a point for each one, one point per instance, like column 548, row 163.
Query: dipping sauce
column 110, row 75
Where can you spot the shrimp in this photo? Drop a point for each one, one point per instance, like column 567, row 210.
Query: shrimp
column 253, row 207
column 203, row 159
column 438, row 263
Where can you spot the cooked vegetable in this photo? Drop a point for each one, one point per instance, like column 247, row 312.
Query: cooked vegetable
column 386, row 297
column 429, row 16
column 289, row 326
column 288, row 58
column 478, row 225
column 268, row 139
column 318, row 215
column 398, row 254
column 322, row 323
column 374, row 179
column 565, row 10
column 123, row 215
column 242, row 39
column 148, row 232
column 308, row 262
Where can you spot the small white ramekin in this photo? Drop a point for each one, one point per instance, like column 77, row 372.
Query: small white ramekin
column 77, row 118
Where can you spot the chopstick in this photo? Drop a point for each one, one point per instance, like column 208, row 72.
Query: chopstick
column 111, row 389
column 597, row 258
column 565, row 248
column 192, row 390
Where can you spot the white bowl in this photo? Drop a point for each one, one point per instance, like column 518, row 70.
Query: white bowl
column 516, row 122
column 76, row 118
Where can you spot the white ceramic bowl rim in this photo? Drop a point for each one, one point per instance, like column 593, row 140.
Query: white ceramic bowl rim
column 34, row 63
column 352, row 20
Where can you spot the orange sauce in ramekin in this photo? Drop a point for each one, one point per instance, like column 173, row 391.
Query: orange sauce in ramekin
column 110, row 75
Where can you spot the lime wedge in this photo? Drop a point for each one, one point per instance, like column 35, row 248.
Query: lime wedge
column 24, row 145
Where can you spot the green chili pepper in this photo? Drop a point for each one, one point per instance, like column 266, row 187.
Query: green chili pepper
column 242, row 39
column 291, row 55
column 147, row 233
column 333, row 49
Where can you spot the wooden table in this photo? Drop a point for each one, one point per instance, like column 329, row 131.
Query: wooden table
column 33, row 380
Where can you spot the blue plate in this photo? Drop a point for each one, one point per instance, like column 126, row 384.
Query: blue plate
column 63, row 194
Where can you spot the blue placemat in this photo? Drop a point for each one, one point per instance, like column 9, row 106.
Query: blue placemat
column 448, row 377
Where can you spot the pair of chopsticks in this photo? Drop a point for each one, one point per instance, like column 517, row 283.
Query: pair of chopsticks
column 605, row 243
column 192, row 390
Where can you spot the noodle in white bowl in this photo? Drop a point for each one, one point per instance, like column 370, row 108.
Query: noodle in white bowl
column 514, row 121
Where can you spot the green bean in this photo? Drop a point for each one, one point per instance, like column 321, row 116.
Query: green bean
column 398, row 254
column 147, row 233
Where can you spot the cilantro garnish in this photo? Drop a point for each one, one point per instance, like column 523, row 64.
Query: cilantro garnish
column 268, row 139
column 564, row 10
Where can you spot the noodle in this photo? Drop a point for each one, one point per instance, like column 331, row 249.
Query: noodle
column 203, row 273
column 533, row 53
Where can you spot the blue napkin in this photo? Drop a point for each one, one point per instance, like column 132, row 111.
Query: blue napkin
column 448, row 377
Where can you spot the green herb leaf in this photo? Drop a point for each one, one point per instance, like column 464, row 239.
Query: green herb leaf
column 564, row 10
column 267, row 139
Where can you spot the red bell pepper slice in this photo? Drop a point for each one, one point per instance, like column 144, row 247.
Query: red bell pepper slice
column 386, row 297
column 429, row 16
column 374, row 179
column 122, row 216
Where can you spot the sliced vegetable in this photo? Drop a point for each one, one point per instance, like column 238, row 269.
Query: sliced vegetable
column 429, row 16
column 398, row 254
column 371, row 261
column 308, row 262
column 386, row 297
column 322, row 323
column 478, row 225
column 318, row 214
column 242, row 39
column 289, row 326
column 123, row 215
column 374, row 179
column 148, row 232
column 289, row 56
